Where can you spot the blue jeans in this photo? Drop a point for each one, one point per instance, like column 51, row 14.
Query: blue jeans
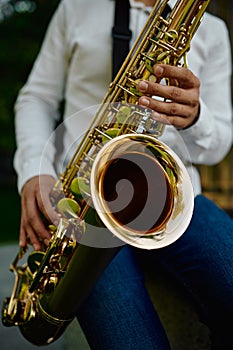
column 119, row 313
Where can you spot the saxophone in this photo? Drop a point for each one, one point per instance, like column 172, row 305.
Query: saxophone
column 108, row 188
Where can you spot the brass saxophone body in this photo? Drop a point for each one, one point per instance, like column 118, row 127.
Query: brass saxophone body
column 121, row 179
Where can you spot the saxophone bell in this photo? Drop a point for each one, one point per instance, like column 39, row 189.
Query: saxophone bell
column 141, row 190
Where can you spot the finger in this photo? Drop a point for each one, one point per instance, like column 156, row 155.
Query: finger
column 33, row 238
column 22, row 237
column 180, row 122
column 26, row 236
column 183, row 75
column 176, row 121
column 167, row 108
column 167, row 92
column 43, row 199
column 176, row 114
column 47, row 209
column 38, row 227
column 171, row 93
column 34, row 222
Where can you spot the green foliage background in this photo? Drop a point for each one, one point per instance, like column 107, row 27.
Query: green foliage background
column 20, row 39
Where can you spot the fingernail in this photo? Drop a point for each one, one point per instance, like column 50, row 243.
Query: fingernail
column 46, row 241
column 155, row 115
column 143, row 86
column 36, row 247
column 56, row 222
column 158, row 70
column 144, row 101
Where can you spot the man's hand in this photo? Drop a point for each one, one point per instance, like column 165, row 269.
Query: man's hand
column 34, row 202
column 181, row 105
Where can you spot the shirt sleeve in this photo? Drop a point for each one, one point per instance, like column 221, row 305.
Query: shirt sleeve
column 210, row 138
column 38, row 103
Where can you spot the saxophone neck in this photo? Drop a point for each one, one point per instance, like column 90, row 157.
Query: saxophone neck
column 187, row 14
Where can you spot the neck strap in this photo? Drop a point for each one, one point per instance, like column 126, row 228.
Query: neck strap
column 121, row 34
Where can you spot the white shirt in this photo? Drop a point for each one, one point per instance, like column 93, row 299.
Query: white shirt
column 75, row 64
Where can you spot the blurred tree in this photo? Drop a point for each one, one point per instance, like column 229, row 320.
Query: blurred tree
column 22, row 29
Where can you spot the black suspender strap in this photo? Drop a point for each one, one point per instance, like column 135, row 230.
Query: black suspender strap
column 121, row 35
